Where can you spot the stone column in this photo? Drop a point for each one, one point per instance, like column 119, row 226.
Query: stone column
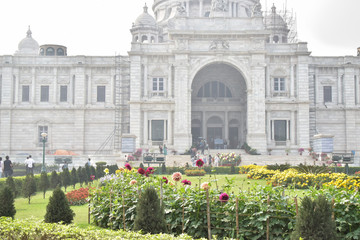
column 16, row 89
column 268, row 82
column 56, row 92
column 226, row 126
column 268, row 118
column 187, row 8
column 146, row 82
column 200, row 8
column 145, row 128
column 170, row 128
column 169, row 86
column 33, row 86
column 203, row 125
column 292, row 85
column 339, row 88
column 292, row 128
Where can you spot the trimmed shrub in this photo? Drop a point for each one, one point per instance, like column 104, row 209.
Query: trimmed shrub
column 74, row 177
column 7, row 203
column 55, row 180
column 44, row 183
column 29, row 187
column 11, row 184
column 149, row 215
column 65, row 178
column 314, row 220
column 58, row 208
column 195, row 172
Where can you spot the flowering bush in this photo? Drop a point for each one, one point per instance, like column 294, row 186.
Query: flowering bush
column 224, row 197
column 165, row 180
column 186, row 182
column 176, row 176
column 78, row 196
column 357, row 173
column 205, row 186
column 128, row 166
column 195, row 172
column 228, row 159
column 247, row 168
column 141, row 171
column 133, row 182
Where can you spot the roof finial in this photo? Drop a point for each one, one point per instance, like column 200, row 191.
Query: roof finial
column 273, row 8
column 145, row 8
column 28, row 33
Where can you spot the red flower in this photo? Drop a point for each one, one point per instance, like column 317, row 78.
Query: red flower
column 165, row 180
column 224, row 197
column 128, row 167
column 92, row 177
column 141, row 171
column 199, row 163
column 150, row 170
column 186, row 182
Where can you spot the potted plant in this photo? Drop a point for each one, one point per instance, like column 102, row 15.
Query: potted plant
column 287, row 150
column 300, row 150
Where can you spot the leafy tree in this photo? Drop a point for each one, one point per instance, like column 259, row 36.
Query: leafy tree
column 149, row 215
column 55, row 180
column 11, row 184
column 314, row 220
column 58, row 208
column 74, row 177
column 29, row 186
column 81, row 176
column 99, row 171
column 65, row 178
column 44, row 182
column 85, row 174
column 7, row 206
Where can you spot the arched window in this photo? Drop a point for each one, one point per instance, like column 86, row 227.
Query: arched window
column 41, row 51
column 144, row 39
column 214, row 89
column 152, row 39
column 60, row 52
column 50, row 51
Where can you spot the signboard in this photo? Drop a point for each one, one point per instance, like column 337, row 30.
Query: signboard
column 323, row 143
column 127, row 144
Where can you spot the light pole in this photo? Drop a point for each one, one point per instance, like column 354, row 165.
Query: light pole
column 43, row 135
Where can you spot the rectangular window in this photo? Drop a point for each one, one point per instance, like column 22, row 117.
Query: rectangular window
column 42, row 129
column 279, row 84
column 63, row 93
column 280, row 130
column 25, row 96
column 327, row 94
column 158, row 84
column 44, row 94
column 100, row 93
column 157, row 130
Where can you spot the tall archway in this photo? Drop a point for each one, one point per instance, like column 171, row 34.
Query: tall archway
column 219, row 106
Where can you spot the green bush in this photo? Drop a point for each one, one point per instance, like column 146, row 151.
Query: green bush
column 55, row 180
column 281, row 167
column 7, row 203
column 44, row 183
column 149, row 215
column 74, row 177
column 65, row 178
column 33, row 229
column 314, row 220
column 58, row 208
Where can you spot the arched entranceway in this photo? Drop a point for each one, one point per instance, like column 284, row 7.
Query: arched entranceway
column 219, row 106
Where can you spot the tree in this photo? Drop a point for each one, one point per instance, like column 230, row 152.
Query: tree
column 65, row 178
column 54, row 180
column 11, row 184
column 163, row 168
column 58, row 208
column 7, row 203
column 74, row 177
column 85, row 174
column 314, row 220
column 149, row 215
column 29, row 186
column 81, row 175
column 44, row 182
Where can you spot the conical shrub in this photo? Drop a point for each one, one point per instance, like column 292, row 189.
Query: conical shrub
column 149, row 215
column 58, row 208
column 7, row 203
column 314, row 220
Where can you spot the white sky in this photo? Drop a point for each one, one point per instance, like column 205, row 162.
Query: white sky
column 101, row 27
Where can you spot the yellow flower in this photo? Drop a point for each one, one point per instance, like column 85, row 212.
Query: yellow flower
column 106, row 170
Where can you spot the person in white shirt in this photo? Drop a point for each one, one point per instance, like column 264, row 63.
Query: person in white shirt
column 29, row 165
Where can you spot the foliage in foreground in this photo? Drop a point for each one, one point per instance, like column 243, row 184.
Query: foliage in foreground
column 37, row 230
column 7, row 207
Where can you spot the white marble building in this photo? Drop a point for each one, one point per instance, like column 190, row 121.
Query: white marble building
column 218, row 69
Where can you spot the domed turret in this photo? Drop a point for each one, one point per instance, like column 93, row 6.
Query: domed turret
column 28, row 46
column 145, row 29
column 278, row 27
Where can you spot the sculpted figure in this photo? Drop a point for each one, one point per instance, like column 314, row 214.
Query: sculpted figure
column 219, row 5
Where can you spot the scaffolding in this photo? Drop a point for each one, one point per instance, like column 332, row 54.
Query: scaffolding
column 112, row 144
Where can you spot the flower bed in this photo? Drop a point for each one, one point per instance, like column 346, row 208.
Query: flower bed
column 78, row 196
column 228, row 159
column 195, row 172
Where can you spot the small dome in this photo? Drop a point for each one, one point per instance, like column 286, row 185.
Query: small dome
column 28, row 46
column 145, row 19
column 274, row 20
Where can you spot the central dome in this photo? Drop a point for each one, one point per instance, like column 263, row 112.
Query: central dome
column 28, row 46
column 145, row 19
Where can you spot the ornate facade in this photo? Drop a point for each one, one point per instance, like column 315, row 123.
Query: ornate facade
column 213, row 69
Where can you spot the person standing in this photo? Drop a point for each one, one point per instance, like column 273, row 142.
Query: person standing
column 88, row 162
column 160, row 149
column 1, row 167
column 216, row 160
column 8, row 171
column 30, row 163
column 165, row 150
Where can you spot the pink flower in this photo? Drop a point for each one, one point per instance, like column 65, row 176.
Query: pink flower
column 150, row 170
column 186, row 182
column 133, row 182
column 165, row 180
column 128, row 167
column 176, row 176
column 92, row 177
column 199, row 163
column 205, row 186
column 141, row 171
column 224, row 197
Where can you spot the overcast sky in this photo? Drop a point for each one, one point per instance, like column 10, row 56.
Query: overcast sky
column 101, row 27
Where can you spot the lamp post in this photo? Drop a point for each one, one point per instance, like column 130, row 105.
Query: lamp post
column 43, row 135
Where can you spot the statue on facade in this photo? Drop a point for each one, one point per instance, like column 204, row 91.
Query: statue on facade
column 181, row 10
column 219, row 5
column 219, row 44
column 256, row 11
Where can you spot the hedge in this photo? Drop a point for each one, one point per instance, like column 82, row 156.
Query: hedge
column 37, row 230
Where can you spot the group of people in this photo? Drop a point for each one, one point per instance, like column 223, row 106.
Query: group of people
column 6, row 167
column 210, row 160
column 163, row 150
